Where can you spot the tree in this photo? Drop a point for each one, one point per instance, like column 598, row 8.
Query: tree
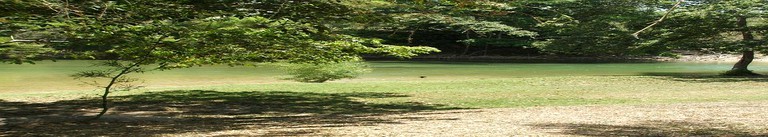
column 145, row 35
column 593, row 27
column 456, row 25
column 558, row 27
column 717, row 26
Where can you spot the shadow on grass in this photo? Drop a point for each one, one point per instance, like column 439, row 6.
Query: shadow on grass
column 651, row 128
column 516, row 59
column 201, row 112
column 706, row 77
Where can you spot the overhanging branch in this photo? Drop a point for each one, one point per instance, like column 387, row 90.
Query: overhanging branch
column 660, row 19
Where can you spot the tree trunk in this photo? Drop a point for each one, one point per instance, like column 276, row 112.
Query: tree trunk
column 748, row 53
column 466, row 50
column 104, row 101
column 746, row 59
column 125, row 70
column 108, row 89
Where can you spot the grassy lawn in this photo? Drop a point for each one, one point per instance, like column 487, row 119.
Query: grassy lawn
column 223, row 98
column 460, row 85
column 531, row 91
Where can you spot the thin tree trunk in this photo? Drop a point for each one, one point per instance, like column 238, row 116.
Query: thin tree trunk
column 410, row 37
column 108, row 88
column 125, row 70
column 748, row 53
column 466, row 47
column 104, row 105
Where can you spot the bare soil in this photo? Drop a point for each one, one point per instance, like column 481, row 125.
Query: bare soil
column 694, row 119
column 684, row 119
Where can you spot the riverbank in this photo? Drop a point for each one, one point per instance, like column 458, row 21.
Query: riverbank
column 696, row 58
column 713, row 58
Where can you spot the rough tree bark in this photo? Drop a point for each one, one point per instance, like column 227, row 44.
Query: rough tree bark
column 746, row 59
column 748, row 52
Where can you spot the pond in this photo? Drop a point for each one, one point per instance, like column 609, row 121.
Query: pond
column 54, row 76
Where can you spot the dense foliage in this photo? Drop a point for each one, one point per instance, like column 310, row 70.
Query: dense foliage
column 458, row 27
column 717, row 26
column 525, row 27
column 597, row 28
column 185, row 33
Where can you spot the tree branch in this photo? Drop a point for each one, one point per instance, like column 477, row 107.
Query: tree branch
column 103, row 12
column 660, row 19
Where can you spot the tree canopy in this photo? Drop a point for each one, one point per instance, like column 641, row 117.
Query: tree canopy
column 717, row 26
column 184, row 33
column 458, row 27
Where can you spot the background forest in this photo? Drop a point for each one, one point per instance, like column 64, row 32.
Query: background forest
column 457, row 27
column 564, row 28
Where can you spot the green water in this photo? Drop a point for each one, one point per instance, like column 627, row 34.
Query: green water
column 48, row 76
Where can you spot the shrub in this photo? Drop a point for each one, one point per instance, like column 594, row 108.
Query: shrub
column 319, row 73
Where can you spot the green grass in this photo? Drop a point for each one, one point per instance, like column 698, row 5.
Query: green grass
column 49, row 76
column 461, row 85
column 42, row 100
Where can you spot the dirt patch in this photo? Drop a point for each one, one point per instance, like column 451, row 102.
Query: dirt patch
column 192, row 113
column 699, row 119
column 200, row 112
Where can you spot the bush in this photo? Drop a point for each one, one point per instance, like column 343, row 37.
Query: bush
column 319, row 73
